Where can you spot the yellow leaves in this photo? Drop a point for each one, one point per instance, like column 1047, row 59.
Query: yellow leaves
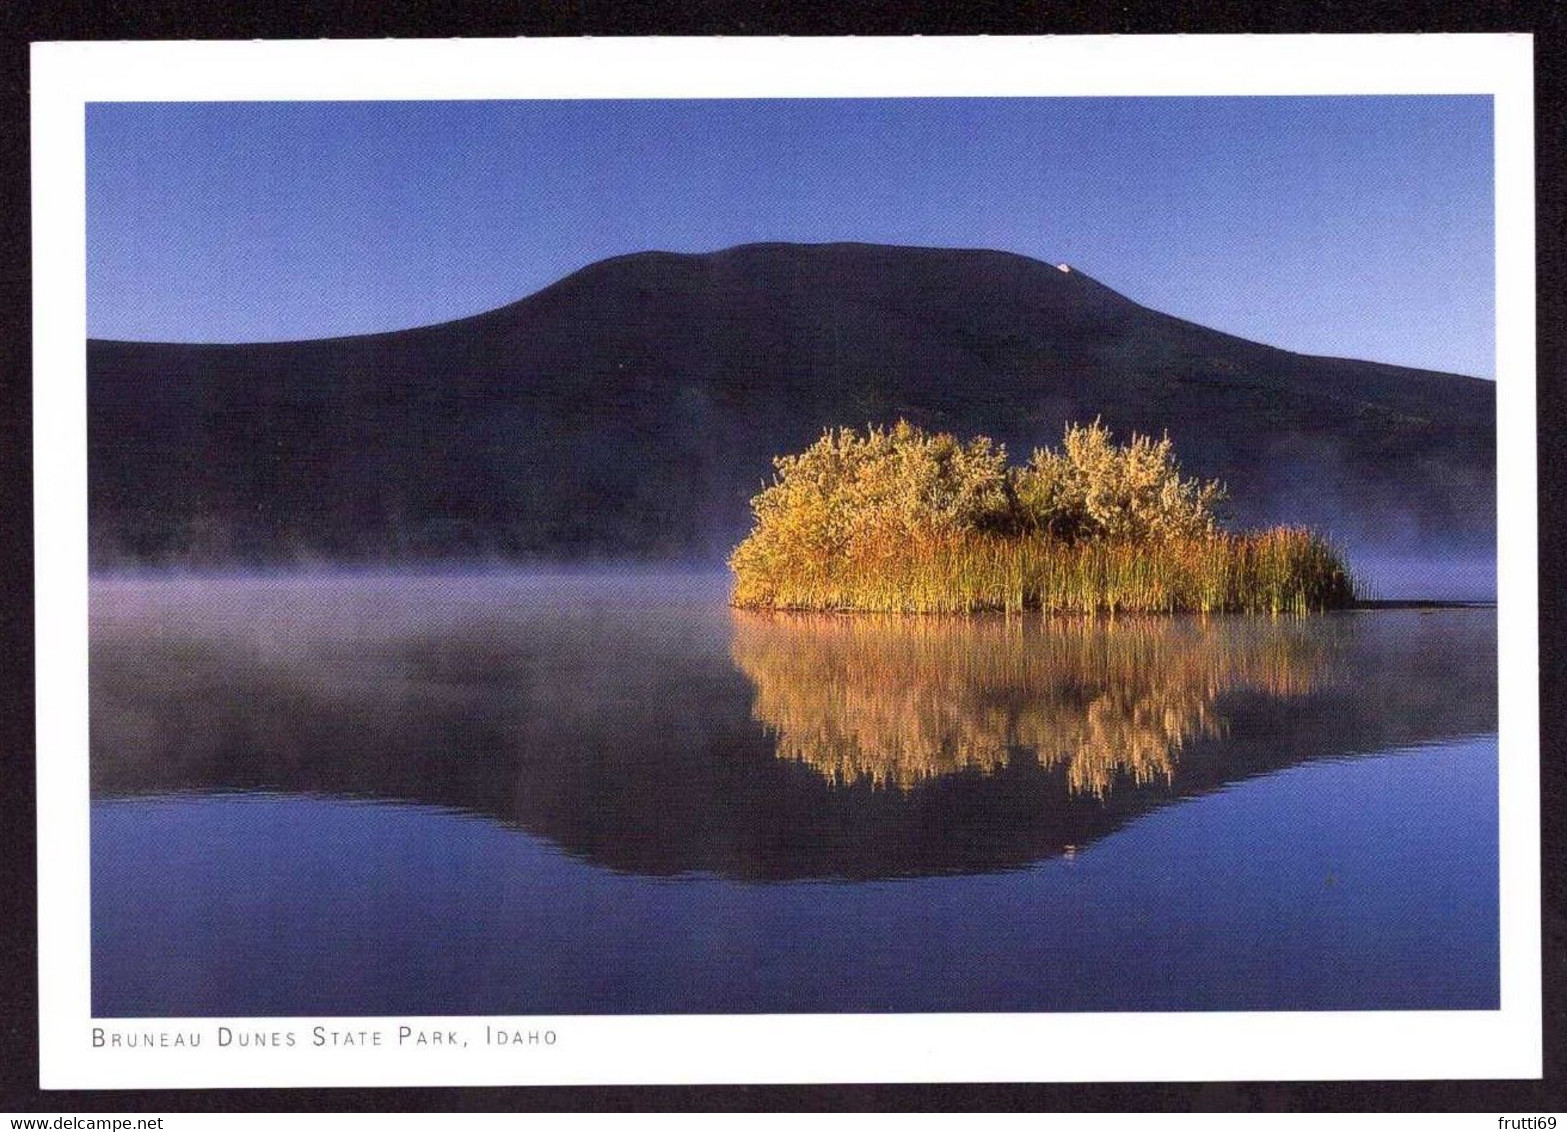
column 852, row 489
column 1093, row 488
column 901, row 520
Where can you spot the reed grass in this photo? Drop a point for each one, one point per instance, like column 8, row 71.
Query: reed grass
column 1283, row 570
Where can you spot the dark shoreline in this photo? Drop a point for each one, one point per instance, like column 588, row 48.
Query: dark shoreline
column 1419, row 603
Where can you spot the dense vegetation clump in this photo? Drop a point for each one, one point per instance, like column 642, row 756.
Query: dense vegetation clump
column 904, row 520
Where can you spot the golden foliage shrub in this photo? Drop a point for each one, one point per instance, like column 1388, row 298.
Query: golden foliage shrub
column 1094, row 488
column 903, row 520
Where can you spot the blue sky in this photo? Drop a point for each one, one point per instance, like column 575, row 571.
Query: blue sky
column 1359, row 227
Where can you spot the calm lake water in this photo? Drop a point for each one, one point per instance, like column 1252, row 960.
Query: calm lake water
column 382, row 795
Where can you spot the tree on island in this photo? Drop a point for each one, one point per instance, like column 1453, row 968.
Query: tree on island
column 901, row 519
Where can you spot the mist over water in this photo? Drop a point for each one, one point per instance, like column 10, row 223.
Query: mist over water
column 1403, row 571
column 608, row 792
column 1407, row 576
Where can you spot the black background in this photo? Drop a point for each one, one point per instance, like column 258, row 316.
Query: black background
column 23, row 22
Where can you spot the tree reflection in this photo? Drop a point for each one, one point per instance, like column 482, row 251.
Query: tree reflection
column 897, row 701
column 655, row 731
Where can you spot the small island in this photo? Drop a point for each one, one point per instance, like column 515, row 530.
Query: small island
column 904, row 520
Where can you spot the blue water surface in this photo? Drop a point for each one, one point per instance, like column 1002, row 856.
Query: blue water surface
column 407, row 797
column 1296, row 891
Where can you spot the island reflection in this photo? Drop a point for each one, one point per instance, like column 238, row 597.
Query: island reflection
column 644, row 727
column 896, row 701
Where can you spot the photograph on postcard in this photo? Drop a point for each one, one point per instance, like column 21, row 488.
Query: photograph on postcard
column 789, row 555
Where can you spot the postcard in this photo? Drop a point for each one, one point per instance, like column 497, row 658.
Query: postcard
column 771, row 560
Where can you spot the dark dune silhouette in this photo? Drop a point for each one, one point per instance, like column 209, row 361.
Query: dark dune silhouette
column 631, row 409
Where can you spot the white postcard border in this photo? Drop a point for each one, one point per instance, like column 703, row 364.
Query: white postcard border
column 772, row 1048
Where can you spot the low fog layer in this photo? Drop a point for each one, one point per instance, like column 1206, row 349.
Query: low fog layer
column 1463, row 575
column 643, row 726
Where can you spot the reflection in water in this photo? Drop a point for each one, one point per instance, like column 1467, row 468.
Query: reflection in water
column 646, row 728
column 585, row 789
column 896, row 701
